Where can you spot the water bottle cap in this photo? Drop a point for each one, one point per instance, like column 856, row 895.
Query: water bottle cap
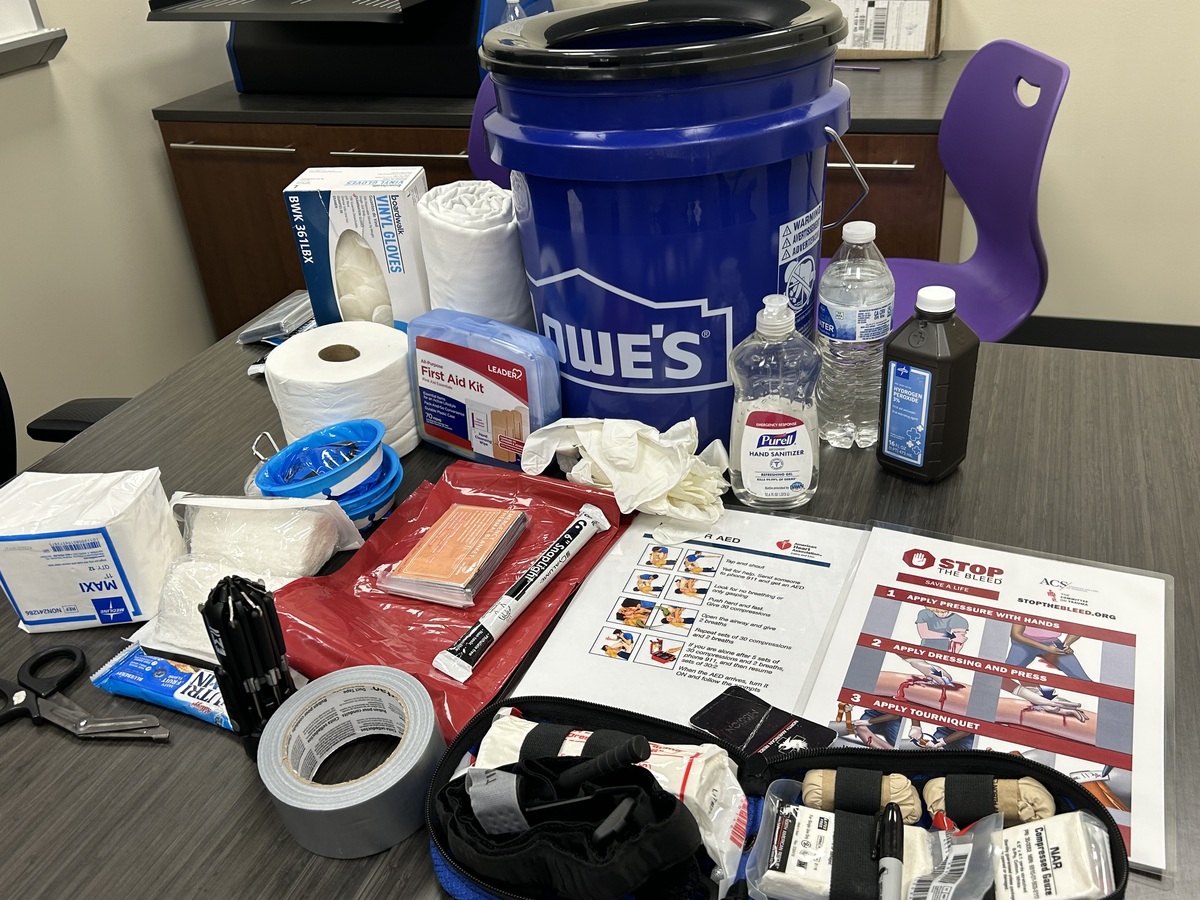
column 775, row 319
column 858, row 232
column 935, row 299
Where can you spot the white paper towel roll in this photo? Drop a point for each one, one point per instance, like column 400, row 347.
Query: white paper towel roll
column 472, row 252
column 343, row 371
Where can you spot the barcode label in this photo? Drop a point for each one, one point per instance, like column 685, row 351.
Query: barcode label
column 879, row 21
column 941, row 884
column 66, row 546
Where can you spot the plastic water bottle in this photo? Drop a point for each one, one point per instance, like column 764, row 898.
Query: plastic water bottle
column 854, row 316
column 773, row 436
column 513, row 11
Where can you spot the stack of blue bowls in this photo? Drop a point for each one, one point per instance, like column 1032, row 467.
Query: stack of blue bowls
column 347, row 462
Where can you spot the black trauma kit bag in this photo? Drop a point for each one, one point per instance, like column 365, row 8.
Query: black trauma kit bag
column 610, row 831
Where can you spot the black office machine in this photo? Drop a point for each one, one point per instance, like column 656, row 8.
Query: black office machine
column 412, row 48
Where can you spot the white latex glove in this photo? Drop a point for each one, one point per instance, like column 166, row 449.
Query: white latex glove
column 647, row 470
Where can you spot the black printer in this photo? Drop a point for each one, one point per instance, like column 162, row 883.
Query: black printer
column 414, row 48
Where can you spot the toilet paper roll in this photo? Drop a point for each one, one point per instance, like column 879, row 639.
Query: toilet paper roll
column 472, row 252
column 343, row 371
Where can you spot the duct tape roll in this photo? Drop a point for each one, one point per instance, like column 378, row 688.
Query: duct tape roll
column 368, row 814
column 344, row 371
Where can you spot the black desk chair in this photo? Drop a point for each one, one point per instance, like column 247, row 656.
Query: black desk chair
column 57, row 426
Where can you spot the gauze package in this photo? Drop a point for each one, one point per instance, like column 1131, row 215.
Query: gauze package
column 273, row 540
column 359, row 242
column 82, row 550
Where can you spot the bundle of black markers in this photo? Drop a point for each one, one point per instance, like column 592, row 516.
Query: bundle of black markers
column 252, row 670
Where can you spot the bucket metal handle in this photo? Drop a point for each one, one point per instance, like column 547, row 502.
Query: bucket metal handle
column 837, row 139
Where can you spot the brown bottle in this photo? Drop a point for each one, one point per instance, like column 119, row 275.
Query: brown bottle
column 928, row 386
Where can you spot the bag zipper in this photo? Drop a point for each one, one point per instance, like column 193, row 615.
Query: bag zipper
column 753, row 768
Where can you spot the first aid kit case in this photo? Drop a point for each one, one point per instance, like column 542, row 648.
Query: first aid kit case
column 854, row 874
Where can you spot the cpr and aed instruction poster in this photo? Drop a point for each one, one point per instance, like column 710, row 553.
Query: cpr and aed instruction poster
column 945, row 645
column 663, row 629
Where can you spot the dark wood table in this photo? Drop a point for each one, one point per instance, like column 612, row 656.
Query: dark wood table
column 1087, row 455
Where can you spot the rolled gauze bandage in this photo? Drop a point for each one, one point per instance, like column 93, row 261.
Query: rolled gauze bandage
column 472, row 252
column 340, row 372
column 377, row 810
column 819, row 786
column 1018, row 799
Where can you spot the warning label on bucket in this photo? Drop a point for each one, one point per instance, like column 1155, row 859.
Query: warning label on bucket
column 798, row 243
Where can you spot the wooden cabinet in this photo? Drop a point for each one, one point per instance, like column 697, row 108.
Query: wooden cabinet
column 907, row 182
column 230, row 179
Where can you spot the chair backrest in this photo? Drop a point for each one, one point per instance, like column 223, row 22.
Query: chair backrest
column 8, row 435
column 992, row 145
column 478, row 156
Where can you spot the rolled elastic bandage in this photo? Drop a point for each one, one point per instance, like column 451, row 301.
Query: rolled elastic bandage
column 1018, row 799
column 818, row 789
column 460, row 659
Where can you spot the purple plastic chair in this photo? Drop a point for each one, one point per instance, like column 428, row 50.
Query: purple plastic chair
column 479, row 157
column 992, row 145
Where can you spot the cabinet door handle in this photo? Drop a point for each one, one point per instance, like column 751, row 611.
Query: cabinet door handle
column 230, row 147
column 895, row 167
column 462, row 155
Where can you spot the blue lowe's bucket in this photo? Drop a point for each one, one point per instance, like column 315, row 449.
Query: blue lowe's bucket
column 668, row 170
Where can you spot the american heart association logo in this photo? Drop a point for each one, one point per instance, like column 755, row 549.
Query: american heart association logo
column 784, row 545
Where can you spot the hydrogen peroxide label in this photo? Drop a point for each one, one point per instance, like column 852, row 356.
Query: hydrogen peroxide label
column 841, row 323
column 906, row 412
column 777, row 455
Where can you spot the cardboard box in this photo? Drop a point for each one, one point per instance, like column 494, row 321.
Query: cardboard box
column 891, row 29
column 356, row 231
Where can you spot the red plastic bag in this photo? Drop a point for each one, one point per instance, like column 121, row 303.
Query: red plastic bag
column 335, row 621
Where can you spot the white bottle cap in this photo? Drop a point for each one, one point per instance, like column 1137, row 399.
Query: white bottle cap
column 775, row 319
column 935, row 299
column 858, row 232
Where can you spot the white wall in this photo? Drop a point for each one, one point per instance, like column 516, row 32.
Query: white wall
column 98, row 290
column 1122, row 163
column 101, row 297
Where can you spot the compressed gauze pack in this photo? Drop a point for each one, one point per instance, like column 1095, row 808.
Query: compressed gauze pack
column 473, row 252
column 82, row 550
column 341, row 372
column 360, row 246
column 273, row 540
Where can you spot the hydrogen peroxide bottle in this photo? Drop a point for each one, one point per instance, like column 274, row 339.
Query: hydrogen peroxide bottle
column 773, row 435
column 928, row 386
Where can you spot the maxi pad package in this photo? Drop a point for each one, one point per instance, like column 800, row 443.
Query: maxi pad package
column 81, row 550
column 360, row 249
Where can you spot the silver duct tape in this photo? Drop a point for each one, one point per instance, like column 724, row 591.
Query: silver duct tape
column 371, row 813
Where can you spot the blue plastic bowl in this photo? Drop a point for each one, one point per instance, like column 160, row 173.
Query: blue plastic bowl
column 281, row 475
column 370, row 505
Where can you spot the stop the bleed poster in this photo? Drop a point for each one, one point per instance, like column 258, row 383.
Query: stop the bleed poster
column 950, row 645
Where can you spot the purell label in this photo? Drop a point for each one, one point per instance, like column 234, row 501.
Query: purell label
column 776, row 455
column 614, row 340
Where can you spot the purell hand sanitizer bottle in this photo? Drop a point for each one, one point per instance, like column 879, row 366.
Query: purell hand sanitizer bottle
column 773, row 437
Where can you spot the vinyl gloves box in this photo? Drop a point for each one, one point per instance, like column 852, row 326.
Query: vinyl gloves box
column 356, row 231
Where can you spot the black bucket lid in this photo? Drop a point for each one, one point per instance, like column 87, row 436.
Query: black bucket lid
column 661, row 38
